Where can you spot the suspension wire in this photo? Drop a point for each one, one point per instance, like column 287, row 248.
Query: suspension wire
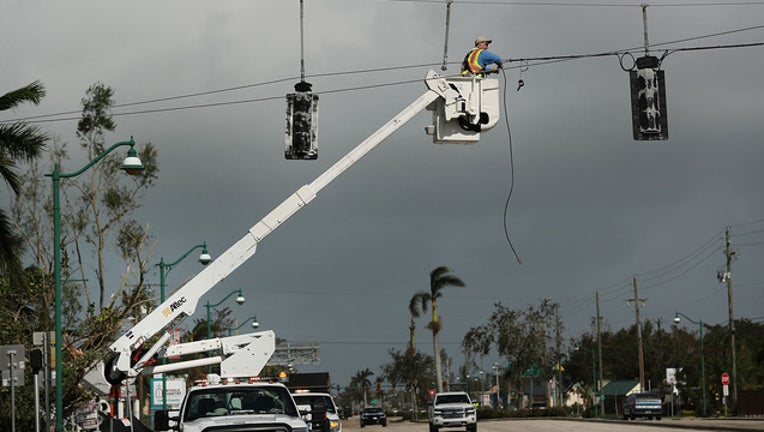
column 302, row 46
column 448, row 25
column 644, row 25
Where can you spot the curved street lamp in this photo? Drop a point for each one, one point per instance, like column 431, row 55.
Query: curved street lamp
column 255, row 325
column 131, row 165
column 164, row 269
column 702, row 353
column 239, row 299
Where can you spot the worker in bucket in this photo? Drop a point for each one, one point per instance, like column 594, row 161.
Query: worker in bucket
column 478, row 59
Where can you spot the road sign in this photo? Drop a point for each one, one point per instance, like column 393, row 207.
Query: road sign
column 725, row 378
column 12, row 365
column 176, row 391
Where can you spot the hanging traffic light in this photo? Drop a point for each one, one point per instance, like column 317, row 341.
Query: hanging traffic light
column 648, row 100
column 302, row 123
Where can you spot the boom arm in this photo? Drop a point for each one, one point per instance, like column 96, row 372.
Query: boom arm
column 185, row 299
column 241, row 355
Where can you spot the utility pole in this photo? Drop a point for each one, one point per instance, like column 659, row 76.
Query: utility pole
column 636, row 301
column 558, row 342
column 730, row 254
column 599, row 354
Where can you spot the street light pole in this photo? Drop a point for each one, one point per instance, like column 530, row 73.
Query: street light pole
column 255, row 325
column 239, row 300
column 594, row 384
column 702, row 354
column 132, row 165
column 164, row 269
column 498, row 386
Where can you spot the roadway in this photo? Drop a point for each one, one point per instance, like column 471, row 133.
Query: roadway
column 574, row 425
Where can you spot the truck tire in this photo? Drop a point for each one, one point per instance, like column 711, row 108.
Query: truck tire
column 433, row 428
column 472, row 428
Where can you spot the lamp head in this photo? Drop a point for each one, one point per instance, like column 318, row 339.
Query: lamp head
column 240, row 299
column 677, row 319
column 255, row 324
column 132, row 164
column 205, row 257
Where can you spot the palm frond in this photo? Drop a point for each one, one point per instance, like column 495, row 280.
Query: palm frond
column 33, row 93
column 21, row 141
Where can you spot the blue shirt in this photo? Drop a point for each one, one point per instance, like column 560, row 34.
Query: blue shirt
column 488, row 58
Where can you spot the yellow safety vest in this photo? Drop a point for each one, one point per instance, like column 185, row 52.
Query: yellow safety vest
column 470, row 64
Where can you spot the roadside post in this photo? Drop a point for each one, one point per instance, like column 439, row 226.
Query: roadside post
column 725, row 389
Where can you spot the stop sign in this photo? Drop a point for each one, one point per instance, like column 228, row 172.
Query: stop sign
column 725, row 378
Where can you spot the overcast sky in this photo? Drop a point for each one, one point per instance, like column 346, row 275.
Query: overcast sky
column 591, row 207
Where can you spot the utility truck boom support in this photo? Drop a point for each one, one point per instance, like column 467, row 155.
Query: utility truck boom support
column 462, row 108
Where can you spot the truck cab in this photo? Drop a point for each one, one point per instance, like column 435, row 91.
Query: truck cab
column 224, row 407
column 319, row 404
column 453, row 409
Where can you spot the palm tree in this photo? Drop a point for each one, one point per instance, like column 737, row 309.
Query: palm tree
column 361, row 379
column 18, row 142
column 440, row 278
column 417, row 304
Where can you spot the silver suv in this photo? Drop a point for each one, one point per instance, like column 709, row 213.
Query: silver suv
column 452, row 409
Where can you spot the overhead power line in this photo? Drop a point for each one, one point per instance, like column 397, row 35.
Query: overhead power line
column 582, row 4
column 525, row 62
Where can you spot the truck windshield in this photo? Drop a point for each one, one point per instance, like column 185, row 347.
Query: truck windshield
column 446, row 399
column 312, row 400
column 218, row 401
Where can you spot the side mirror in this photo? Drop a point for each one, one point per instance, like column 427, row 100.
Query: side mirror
column 162, row 419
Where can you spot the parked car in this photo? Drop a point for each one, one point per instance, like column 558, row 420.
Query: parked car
column 373, row 415
column 643, row 405
column 538, row 405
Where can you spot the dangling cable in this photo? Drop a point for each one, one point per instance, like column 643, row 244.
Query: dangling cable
column 511, row 170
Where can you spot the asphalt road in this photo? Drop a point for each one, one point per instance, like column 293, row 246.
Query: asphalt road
column 574, row 425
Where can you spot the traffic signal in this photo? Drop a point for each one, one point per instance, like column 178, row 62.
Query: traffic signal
column 648, row 100
column 35, row 359
column 302, row 123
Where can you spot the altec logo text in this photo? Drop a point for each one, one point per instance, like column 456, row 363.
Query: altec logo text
column 173, row 306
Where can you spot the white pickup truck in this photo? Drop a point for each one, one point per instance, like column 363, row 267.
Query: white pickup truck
column 235, row 407
column 452, row 409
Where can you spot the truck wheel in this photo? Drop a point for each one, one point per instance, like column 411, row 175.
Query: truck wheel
column 472, row 428
column 657, row 417
column 433, row 428
column 362, row 425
